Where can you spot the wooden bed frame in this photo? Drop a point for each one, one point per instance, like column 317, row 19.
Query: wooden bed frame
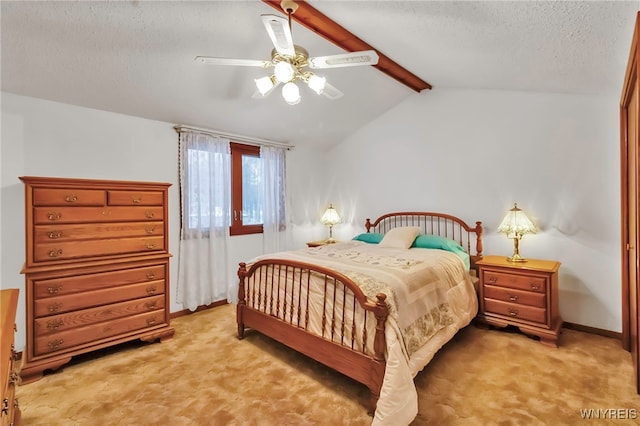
column 286, row 319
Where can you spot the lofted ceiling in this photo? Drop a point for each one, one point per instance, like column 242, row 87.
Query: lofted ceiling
column 137, row 57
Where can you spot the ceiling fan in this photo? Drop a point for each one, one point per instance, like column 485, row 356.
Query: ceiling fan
column 291, row 62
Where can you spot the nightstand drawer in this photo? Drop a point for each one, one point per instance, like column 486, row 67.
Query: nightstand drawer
column 510, row 280
column 515, row 296
column 515, row 311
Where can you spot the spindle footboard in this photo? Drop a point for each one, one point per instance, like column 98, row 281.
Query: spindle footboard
column 279, row 298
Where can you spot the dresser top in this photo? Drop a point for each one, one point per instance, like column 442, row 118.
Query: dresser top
column 530, row 264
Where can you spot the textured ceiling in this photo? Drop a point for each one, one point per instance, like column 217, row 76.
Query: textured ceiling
column 136, row 57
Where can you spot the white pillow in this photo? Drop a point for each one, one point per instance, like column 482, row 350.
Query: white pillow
column 400, row 237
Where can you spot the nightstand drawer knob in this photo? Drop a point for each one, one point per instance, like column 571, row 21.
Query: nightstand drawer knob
column 513, row 312
column 513, row 297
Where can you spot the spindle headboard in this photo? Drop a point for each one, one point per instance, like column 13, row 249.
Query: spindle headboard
column 431, row 223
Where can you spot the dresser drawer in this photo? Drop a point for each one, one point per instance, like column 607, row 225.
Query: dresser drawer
column 48, row 215
column 63, row 250
column 61, row 304
column 135, row 198
column 515, row 296
column 63, row 322
column 66, row 197
column 92, row 333
column 522, row 282
column 89, row 282
column 515, row 311
column 49, row 233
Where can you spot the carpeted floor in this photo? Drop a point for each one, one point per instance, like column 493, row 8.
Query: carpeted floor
column 206, row 376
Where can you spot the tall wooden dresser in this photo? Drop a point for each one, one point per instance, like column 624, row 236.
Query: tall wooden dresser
column 97, row 267
column 9, row 365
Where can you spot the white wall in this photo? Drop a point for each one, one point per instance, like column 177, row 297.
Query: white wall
column 474, row 153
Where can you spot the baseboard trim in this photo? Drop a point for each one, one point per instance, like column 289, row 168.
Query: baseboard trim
column 592, row 330
column 198, row 309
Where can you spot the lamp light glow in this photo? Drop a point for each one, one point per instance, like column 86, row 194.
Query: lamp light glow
column 514, row 225
column 330, row 218
column 284, row 72
column 291, row 93
column 264, row 84
column 316, row 83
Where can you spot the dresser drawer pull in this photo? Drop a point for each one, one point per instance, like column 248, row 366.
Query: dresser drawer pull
column 54, row 216
column 513, row 297
column 535, row 286
column 151, row 246
column 151, row 321
column 151, row 290
column 55, row 344
column 55, row 253
column 54, row 324
column 5, row 406
column 106, row 212
column 150, row 215
column 136, row 200
column 13, row 378
column 150, row 305
column 71, row 198
column 513, row 312
column 55, row 307
column 54, row 234
column 150, row 230
column 493, row 279
column 54, row 290
column 150, row 275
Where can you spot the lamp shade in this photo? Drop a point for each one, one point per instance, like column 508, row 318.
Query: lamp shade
column 330, row 216
column 516, row 223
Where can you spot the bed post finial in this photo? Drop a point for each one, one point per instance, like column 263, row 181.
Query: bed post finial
column 367, row 224
column 479, row 231
column 242, row 272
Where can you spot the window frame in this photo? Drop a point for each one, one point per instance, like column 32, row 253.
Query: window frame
column 237, row 227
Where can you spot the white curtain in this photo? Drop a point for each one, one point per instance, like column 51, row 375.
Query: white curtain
column 205, row 188
column 275, row 232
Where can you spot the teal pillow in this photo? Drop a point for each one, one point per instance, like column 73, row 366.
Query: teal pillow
column 436, row 242
column 370, row 238
column 442, row 243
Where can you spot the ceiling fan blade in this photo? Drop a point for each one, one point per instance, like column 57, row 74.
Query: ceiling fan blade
column 331, row 92
column 239, row 62
column 280, row 33
column 353, row 59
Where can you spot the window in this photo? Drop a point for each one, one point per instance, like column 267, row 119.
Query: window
column 228, row 186
column 246, row 195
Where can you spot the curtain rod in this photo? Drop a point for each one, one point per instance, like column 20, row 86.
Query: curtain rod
column 236, row 138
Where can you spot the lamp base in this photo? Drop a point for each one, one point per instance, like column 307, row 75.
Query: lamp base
column 516, row 259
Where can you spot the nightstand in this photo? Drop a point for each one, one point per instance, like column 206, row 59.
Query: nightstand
column 524, row 295
column 319, row 243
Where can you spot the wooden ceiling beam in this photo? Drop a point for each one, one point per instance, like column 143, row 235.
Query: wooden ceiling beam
column 321, row 24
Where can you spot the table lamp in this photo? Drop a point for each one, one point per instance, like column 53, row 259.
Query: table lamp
column 514, row 225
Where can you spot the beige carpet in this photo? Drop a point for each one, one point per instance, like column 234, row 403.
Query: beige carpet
column 206, row 376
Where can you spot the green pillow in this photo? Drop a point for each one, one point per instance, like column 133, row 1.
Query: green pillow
column 436, row 242
column 442, row 243
column 370, row 238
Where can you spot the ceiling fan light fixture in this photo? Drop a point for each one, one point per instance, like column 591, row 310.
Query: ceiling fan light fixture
column 291, row 93
column 284, row 72
column 264, row 84
column 316, row 83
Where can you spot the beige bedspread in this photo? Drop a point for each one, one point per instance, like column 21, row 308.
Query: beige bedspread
column 430, row 297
